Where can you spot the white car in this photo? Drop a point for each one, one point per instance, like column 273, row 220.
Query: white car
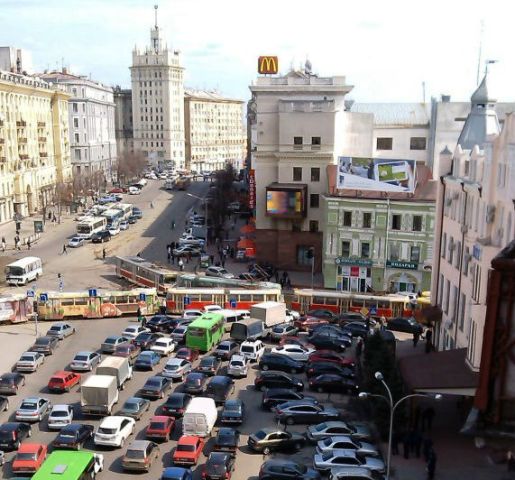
column 295, row 352
column 114, row 430
column 218, row 272
column 114, row 230
column 162, row 176
column 212, row 308
column 192, row 313
column 132, row 331
column 292, row 315
column 238, row 366
column 134, row 191
column 124, row 225
column 164, row 346
column 30, row 361
column 60, row 416
column 191, row 240
column 176, row 368
column 253, row 350
column 75, row 242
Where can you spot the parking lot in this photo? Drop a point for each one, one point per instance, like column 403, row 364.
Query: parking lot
column 89, row 336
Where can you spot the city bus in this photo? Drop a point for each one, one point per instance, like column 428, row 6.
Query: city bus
column 125, row 208
column 91, row 225
column 145, row 274
column 388, row 306
column 113, row 216
column 23, row 271
column 97, row 304
column 69, row 465
column 15, row 308
column 205, row 332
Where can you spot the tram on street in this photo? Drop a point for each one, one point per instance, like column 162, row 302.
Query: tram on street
column 15, row 308
column 97, row 304
column 143, row 273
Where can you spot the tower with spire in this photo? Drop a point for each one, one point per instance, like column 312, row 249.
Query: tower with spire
column 157, row 79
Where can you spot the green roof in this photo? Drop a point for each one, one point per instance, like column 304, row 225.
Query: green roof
column 64, row 465
column 206, row 320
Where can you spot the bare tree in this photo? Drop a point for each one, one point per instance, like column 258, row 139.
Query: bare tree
column 130, row 167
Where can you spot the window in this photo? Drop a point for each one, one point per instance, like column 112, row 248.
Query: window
column 314, row 200
column 77, row 140
column 77, row 154
column 447, row 296
column 396, row 222
column 417, row 143
column 461, row 319
column 303, row 255
column 394, row 251
column 384, row 143
column 297, row 174
column 415, row 254
column 365, row 250
column 345, row 249
column 297, row 141
column 316, row 141
column 313, row 226
column 75, row 122
column 347, row 219
column 75, row 108
column 417, row 223
column 315, row 174
column 444, row 245
column 367, row 220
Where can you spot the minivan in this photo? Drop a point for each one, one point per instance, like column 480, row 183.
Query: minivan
column 219, row 388
column 252, row 350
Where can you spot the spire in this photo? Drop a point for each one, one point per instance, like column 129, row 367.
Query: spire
column 155, row 38
column 480, row 96
column 155, row 15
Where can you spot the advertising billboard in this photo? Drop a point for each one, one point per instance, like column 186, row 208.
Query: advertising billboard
column 286, row 202
column 381, row 174
column 268, row 65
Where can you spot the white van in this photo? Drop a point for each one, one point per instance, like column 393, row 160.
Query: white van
column 253, row 350
column 23, row 271
column 200, row 417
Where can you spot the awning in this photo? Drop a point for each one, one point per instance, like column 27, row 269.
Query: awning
column 442, row 372
column 246, row 243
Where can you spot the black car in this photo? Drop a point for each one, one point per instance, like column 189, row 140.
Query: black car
column 330, row 382
column 276, row 361
column 357, row 329
column 194, row 383
column 4, row 404
column 347, row 317
column 286, row 470
column 328, row 329
column 330, row 342
column 275, row 396
column 219, row 388
column 227, row 440
column 45, row 345
column 176, row 404
column 73, row 436
column 233, row 412
column 132, row 219
column 219, row 466
column 277, row 380
column 319, row 368
column 11, row 382
column 321, row 313
column 101, row 237
column 159, row 323
column 156, row 387
column 12, row 434
column 408, row 325
column 300, row 411
column 209, row 365
column 268, row 439
column 146, row 339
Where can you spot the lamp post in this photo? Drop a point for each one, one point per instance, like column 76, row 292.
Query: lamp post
column 393, row 406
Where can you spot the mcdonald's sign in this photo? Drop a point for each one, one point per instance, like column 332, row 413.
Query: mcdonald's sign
column 267, row 65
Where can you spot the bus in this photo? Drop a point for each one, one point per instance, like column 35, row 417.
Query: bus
column 23, row 271
column 16, row 308
column 141, row 272
column 69, row 465
column 126, row 209
column 91, row 225
column 113, row 216
column 97, row 304
column 205, row 332
column 388, row 306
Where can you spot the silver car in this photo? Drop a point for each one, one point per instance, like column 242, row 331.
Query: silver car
column 176, row 368
column 356, row 430
column 33, row 409
column 60, row 416
column 353, row 473
column 238, row 366
column 179, row 333
column 335, row 458
column 283, row 330
column 30, row 361
column 346, row 442
column 60, row 330
column 110, row 343
column 85, row 361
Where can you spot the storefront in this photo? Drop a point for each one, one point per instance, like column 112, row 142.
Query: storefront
column 353, row 274
column 403, row 276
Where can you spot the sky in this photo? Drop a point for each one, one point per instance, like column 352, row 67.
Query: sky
column 387, row 50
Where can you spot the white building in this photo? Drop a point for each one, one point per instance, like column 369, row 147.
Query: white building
column 158, row 102
column 91, row 115
column 475, row 220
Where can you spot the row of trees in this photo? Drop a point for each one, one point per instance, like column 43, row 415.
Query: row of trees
column 222, row 195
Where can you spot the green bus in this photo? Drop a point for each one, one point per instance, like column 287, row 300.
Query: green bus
column 205, row 332
column 69, row 465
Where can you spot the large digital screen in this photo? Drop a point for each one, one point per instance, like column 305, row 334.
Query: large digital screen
column 286, row 203
column 381, row 174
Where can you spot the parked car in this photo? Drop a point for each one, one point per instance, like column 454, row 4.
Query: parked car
column 321, row 313
column 186, row 250
column 11, row 382
column 113, row 431
column 194, row 383
column 187, row 353
column 140, row 455
column 300, row 411
column 267, row 440
column 332, row 383
column 123, row 225
column 134, row 190
column 331, row 357
column 111, row 342
column 30, row 361
column 227, row 440
column 219, row 272
column 357, row 329
column 276, row 396
column 179, row 333
column 136, row 212
column 283, row 330
column 346, row 442
column 74, row 436
column 132, row 219
column 29, row 458
column 145, row 340
column 76, row 242
column 33, row 409
column 303, row 324
column 276, row 361
column 164, row 346
column 45, row 345
column 408, row 325
column 355, row 473
column 358, row 431
column 61, row 330
column 226, row 349
column 101, row 237
column 176, row 473
column 147, row 360
column 159, row 323
column 12, row 434
column 286, row 470
column 85, row 361
column 253, row 350
column 295, row 352
column 134, row 407
column 63, row 381
column 192, row 241
column 176, row 368
column 348, row 317
column 302, row 341
column 218, row 466
column 60, row 416
column 127, row 350
column 132, row 331
column 176, row 404
column 160, row 427
column 330, row 341
column 188, row 450
column 319, row 368
column 270, row 379
column 233, row 412
column 324, row 462
column 192, row 313
column 219, row 388
column 156, row 387
column 329, row 329
column 209, row 365
column 238, row 366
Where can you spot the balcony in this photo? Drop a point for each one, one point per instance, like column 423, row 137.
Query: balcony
column 22, row 140
column 1, row 123
column 23, row 156
column 3, row 159
column 42, row 139
column 43, row 154
column 21, row 123
column 41, row 124
column 2, row 141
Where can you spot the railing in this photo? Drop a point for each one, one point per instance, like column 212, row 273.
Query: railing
column 41, row 124
column 42, row 139
column 22, row 140
column 43, row 154
column 21, row 123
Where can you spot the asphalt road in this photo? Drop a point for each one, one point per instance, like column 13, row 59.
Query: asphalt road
column 90, row 334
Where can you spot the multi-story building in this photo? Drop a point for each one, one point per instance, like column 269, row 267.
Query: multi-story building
column 123, row 121
column 214, row 131
column 91, row 119
column 158, row 102
column 34, row 144
column 475, row 220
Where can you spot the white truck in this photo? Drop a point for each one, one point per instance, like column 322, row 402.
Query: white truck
column 200, row 417
column 98, row 395
column 118, row 367
column 270, row 313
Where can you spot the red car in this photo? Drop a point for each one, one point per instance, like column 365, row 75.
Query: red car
column 186, row 353
column 188, row 450
column 63, row 381
column 305, row 323
column 29, row 457
column 160, row 427
column 330, row 356
column 118, row 190
column 300, row 341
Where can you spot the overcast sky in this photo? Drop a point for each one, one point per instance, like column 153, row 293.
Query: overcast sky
column 385, row 49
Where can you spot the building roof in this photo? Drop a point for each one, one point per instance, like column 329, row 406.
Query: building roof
column 212, row 95
column 480, row 96
column 65, row 77
column 395, row 114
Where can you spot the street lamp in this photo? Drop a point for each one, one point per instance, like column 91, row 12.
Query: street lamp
column 393, row 406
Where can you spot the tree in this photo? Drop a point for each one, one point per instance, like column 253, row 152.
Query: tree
column 221, row 198
column 130, row 167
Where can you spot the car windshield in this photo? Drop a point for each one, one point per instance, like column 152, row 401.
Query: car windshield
column 131, row 406
column 185, row 448
column 107, row 431
column 321, row 427
column 278, row 329
column 42, row 341
column 55, row 328
column 223, row 347
column 172, row 367
column 153, row 382
column 144, row 336
column 236, row 363
column 260, row 434
column 161, row 343
column 26, row 358
column 226, row 437
column 111, row 340
column 81, row 358
column 247, row 348
column 6, row 435
column 232, row 407
column 174, row 401
column 157, row 425
column 29, row 406
column 67, row 434
column 26, row 456
column 207, row 362
column 135, row 454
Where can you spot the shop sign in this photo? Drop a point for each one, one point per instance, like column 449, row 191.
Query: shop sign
column 358, row 262
column 252, row 189
column 403, row 265
column 268, row 65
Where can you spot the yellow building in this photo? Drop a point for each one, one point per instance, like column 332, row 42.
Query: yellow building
column 34, row 144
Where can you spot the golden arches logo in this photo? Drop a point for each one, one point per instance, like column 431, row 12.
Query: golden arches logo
column 268, row 65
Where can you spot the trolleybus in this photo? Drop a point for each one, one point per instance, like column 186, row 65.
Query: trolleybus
column 205, row 332
column 69, row 465
column 91, row 225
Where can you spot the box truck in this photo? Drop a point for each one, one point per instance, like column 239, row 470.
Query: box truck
column 270, row 313
column 98, row 395
column 118, row 367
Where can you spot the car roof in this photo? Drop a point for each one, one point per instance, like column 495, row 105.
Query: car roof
column 138, row 445
column 29, row 447
column 32, row 399
column 159, row 418
column 114, row 421
column 56, row 324
column 279, row 461
column 62, row 373
column 175, row 361
column 84, row 352
column 188, row 439
column 61, row 406
column 10, row 425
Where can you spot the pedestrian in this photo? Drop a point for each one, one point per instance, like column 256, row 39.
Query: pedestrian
column 405, row 446
column 431, row 465
column 367, row 323
column 172, row 258
column 172, row 225
column 288, row 282
column 416, row 337
column 188, row 257
column 143, row 321
column 211, row 259
column 54, row 218
column 427, row 418
column 359, row 349
column 3, row 244
column 276, row 275
column 151, row 204
column 103, row 253
column 139, row 255
column 223, row 261
column 395, row 443
column 168, row 255
column 180, row 264
column 64, row 249
column 28, row 244
column 510, row 460
column 429, row 340
column 427, row 446
column 138, row 313
column 417, row 442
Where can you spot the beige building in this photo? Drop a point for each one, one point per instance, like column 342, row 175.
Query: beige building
column 214, row 131
column 158, row 102
column 34, row 144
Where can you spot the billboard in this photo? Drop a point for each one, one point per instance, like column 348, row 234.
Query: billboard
column 286, row 202
column 252, row 189
column 268, row 65
column 381, row 174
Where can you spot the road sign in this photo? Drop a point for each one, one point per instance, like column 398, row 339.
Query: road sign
column 30, row 293
column 61, row 285
column 43, row 297
column 233, row 302
column 364, row 311
column 187, row 300
column 142, row 297
column 92, row 292
column 373, row 311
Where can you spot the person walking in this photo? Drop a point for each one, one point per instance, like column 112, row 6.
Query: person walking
column 431, row 465
column 429, row 340
column 223, row 260
column 427, row 446
column 103, row 253
column 28, row 244
column 180, row 264
column 211, row 259
column 151, row 204
column 65, row 250
column 172, row 258
column 4, row 245
column 359, row 350
column 172, row 225
column 416, row 338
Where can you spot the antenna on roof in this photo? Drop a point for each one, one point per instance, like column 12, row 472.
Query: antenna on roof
column 155, row 14
column 481, row 30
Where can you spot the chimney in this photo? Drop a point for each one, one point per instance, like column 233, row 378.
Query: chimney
column 65, row 70
column 446, row 98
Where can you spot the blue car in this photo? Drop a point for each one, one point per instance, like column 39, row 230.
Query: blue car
column 147, row 360
column 176, row 473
